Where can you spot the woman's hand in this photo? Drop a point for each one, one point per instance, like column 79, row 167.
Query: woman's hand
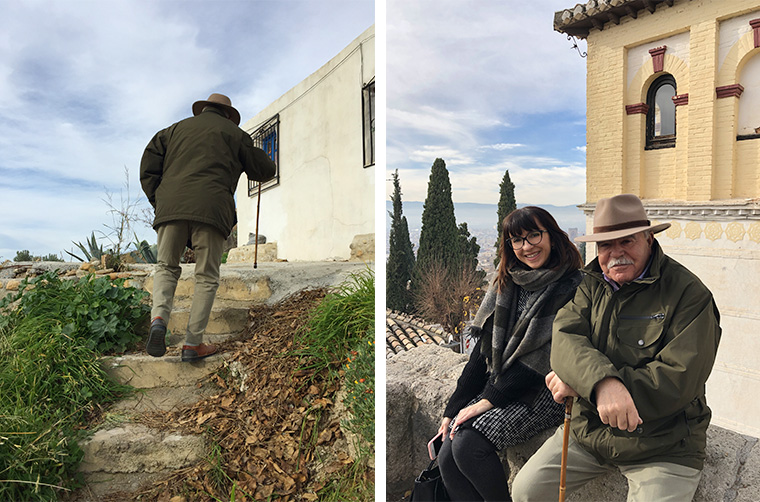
column 444, row 428
column 469, row 412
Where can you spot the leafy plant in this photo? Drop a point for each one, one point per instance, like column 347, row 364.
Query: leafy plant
column 51, row 332
column 101, row 312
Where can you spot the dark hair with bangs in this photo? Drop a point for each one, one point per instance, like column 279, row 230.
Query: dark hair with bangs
column 528, row 219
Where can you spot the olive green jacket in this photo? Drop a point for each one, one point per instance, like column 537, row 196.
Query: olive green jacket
column 190, row 170
column 659, row 335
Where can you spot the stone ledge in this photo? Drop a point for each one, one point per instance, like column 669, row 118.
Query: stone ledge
column 419, row 383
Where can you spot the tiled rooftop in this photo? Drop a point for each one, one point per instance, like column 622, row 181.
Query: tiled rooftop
column 405, row 332
column 579, row 20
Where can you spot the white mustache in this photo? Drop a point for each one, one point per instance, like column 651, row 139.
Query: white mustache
column 620, row 261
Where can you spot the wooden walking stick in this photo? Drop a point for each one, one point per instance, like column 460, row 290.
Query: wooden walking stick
column 565, row 441
column 256, row 244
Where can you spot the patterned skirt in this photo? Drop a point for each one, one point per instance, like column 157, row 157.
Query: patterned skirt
column 518, row 422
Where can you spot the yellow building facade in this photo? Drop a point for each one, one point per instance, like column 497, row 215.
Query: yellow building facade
column 673, row 116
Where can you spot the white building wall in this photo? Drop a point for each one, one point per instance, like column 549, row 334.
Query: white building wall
column 325, row 196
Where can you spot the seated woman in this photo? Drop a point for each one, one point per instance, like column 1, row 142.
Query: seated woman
column 501, row 398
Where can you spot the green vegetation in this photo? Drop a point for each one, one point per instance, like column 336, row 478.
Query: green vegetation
column 439, row 236
column 51, row 335
column 339, row 340
column 93, row 250
column 507, row 204
column 400, row 264
column 26, row 255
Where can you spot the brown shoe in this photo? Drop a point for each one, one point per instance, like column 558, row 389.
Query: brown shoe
column 192, row 353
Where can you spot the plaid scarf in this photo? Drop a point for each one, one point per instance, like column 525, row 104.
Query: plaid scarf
column 527, row 337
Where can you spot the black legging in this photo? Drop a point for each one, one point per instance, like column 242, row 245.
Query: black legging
column 471, row 469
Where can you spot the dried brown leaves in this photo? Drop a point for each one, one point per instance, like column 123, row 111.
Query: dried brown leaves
column 268, row 433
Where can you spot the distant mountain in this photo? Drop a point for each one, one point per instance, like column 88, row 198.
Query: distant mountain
column 483, row 216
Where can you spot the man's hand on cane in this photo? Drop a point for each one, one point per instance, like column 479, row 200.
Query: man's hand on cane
column 559, row 389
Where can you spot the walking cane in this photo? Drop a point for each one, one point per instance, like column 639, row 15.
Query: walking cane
column 565, row 441
column 256, row 244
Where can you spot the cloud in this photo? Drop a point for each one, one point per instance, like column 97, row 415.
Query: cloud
column 86, row 84
column 538, row 180
column 475, row 82
column 501, row 146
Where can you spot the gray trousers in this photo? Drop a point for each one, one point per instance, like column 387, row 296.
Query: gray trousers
column 538, row 480
column 208, row 244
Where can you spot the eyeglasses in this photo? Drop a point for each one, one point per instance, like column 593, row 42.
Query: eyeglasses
column 533, row 238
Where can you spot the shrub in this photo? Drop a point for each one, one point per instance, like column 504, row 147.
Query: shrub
column 51, row 336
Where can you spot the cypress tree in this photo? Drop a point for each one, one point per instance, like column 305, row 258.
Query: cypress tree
column 400, row 264
column 470, row 251
column 439, row 237
column 507, row 204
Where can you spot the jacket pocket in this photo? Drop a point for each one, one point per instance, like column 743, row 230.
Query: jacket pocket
column 639, row 337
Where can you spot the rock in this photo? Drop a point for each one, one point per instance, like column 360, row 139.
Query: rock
column 12, row 285
column 252, row 239
column 363, row 248
column 245, row 254
column 419, row 383
column 418, row 386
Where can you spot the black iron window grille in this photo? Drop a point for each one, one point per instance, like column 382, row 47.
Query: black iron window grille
column 267, row 137
column 368, row 127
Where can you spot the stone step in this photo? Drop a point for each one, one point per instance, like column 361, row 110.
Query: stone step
column 162, row 399
column 222, row 321
column 129, row 455
column 147, row 372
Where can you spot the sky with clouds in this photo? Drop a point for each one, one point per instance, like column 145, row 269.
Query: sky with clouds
column 486, row 85
column 87, row 83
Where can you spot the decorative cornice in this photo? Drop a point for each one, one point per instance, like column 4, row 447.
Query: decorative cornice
column 681, row 99
column 658, row 58
column 755, row 23
column 637, row 108
column 732, row 209
column 728, row 91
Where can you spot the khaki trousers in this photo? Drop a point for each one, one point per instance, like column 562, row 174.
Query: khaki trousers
column 208, row 244
column 538, row 480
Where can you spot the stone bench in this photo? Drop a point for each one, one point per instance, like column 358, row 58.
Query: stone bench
column 420, row 382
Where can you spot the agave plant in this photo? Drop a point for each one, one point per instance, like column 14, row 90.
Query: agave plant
column 94, row 252
column 145, row 251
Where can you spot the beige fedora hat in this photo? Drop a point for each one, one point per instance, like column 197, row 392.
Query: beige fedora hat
column 620, row 216
column 221, row 101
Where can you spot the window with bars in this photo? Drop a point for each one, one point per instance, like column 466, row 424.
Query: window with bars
column 267, row 137
column 368, row 129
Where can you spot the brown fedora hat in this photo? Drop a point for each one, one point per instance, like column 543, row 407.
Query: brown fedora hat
column 221, row 101
column 620, row 216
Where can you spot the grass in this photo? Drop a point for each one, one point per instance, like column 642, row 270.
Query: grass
column 338, row 341
column 50, row 377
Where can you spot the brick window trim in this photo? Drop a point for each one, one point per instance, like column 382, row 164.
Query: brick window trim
column 755, row 24
column 658, row 58
column 681, row 99
column 637, row 108
column 728, row 91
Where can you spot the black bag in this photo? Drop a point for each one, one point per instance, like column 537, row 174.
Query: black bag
column 428, row 487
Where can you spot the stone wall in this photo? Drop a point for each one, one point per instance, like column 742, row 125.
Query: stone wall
column 420, row 381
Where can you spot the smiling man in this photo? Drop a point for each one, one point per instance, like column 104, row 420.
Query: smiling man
column 634, row 348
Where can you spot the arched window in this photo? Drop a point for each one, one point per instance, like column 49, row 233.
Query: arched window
column 661, row 115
